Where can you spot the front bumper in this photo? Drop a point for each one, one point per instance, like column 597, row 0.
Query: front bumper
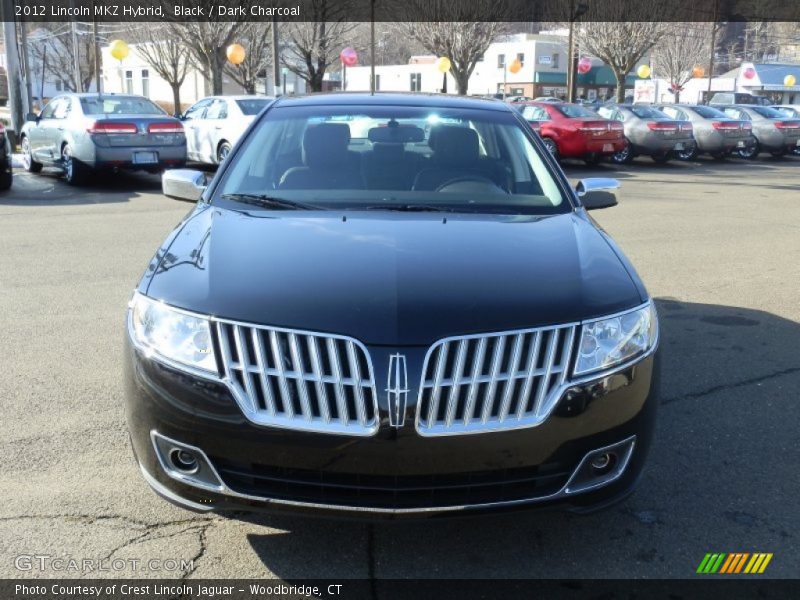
column 395, row 473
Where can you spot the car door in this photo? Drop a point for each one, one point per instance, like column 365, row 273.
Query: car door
column 57, row 130
column 193, row 126
column 39, row 136
column 214, row 128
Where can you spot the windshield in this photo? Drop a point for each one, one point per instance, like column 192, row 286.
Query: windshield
column 575, row 111
column 645, row 112
column 787, row 112
column 765, row 111
column 392, row 157
column 120, row 105
column 252, row 106
column 709, row 113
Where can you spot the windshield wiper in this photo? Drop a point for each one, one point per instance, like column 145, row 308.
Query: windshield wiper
column 267, row 201
column 409, row 208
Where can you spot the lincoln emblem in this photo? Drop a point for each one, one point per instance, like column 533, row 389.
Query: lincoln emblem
column 397, row 389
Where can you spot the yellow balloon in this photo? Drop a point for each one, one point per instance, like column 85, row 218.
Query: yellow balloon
column 515, row 66
column 119, row 49
column 443, row 64
column 235, row 54
column 643, row 71
column 789, row 80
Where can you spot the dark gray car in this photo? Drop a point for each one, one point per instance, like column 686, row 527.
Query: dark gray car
column 774, row 133
column 648, row 131
column 715, row 133
column 81, row 132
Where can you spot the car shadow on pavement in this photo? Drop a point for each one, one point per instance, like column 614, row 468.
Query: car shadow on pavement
column 721, row 475
column 48, row 188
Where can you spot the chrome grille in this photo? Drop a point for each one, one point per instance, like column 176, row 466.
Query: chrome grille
column 300, row 380
column 493, row 382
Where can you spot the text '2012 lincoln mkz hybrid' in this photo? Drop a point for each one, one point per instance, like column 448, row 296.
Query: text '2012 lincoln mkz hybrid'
column 390, row 305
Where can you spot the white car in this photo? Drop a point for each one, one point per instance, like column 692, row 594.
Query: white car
column 214, row 124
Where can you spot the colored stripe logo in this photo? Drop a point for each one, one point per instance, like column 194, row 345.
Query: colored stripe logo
column 734, row 562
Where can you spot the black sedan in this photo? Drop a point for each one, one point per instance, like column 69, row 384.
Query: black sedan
column 368, row 317
column 6, row 171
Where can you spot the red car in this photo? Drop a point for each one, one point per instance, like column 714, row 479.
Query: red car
column 572, row 131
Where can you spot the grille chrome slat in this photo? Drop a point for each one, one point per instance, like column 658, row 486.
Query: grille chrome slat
column 526, row 370
column 285, row 378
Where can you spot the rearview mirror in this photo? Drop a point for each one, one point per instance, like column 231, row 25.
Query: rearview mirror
column 184, row 184
column 597, row 192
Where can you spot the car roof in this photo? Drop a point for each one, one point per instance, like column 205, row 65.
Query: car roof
column 394, row 99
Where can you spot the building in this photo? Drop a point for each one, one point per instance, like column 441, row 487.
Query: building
column 543, row 72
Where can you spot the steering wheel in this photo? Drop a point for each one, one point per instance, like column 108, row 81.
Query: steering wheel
column 468, row 183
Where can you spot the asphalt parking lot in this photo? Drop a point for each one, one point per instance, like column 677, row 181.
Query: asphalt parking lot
column 717, row 243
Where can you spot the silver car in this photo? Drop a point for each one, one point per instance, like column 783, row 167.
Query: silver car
column 715, row 133
column 648, row 131
column 214, row 124
column 773, row 131
column 79, row 133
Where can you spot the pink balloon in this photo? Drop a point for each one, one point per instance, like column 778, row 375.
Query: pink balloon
column 749, row 73
column 349, row 57
column 584, row 65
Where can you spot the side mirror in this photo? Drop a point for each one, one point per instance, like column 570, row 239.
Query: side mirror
column 32, row 117
column 184, row 184
column 599, row 192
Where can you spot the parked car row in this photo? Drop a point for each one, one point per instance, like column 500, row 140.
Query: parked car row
column 620, row 132
column 82, row 133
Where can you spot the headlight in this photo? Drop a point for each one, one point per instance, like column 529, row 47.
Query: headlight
column 172, row 334
column 608, row 342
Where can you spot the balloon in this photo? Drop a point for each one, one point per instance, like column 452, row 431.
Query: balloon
column 643, row 71
column 515, row 66
column 698, row 72
column 443, row 64
column 789, row 80
column 349, row 57
column 584, row 65
column 749, row 73
column 119, row 49
column 235, row 54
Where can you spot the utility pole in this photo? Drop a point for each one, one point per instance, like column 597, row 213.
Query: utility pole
column 372, row 47
column 76, row 55
column 276, row 68
column 26, row 66
column 713, row 49
column 571, row 53
column 98, row 79
column 15, row 90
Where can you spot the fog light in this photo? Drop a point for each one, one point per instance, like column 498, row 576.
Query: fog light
column 183, row 460
column 601, row 463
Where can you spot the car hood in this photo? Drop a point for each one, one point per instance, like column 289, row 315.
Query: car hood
column 392, row 278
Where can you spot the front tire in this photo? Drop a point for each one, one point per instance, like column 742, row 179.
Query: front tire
column 749, row 153
column 30, row 165
column 6, row 179
column 689, row 154
column 222, row 152
column 551, row 147
column 624, row 156
column 74, row 170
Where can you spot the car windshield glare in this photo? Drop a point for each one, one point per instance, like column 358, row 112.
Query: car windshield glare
column 575, row 111
column 120, row 105
column 645, row 112
column 395, row 157
column 252, row 106
column 765, row 111
column 708, row 112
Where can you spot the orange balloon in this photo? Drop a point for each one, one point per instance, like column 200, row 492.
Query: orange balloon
column 515, row 66
column 698, row 72
column 235, row 54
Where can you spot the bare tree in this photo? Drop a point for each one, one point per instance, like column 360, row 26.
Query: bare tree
column 56, row 44
column 314, row 46
column 683, row 47
column 207, row 39
column 463, row 40
column 168, row 57
column 256, row 37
